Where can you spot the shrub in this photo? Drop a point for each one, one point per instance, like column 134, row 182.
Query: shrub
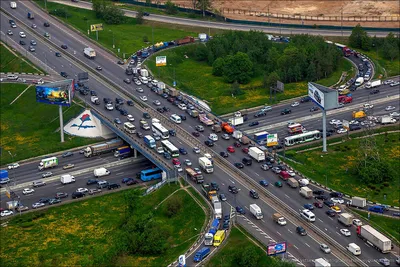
column 174, row 205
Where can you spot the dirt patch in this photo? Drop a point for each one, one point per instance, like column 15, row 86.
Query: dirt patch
column 367, row 13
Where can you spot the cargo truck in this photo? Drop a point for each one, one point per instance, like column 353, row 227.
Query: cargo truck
column 216, row 128
column 214, row 227
column 359, row 81
column 102, row 148
column 373, row 84
column 203, row 37
column 89, row 52
column 244, row 140
column 123, row 152
column 386, row 119
column 206, row 165
column 306, row 192
column 149, row 140
column 320, row 262
column 48, row 163
column 256, row 154
column 358, row 202
column 186, row 40
column 198, row 178
column 67, row 179
column 292, row 183
column 237, row 134
column 236, row 121
column 256, row 211
column 279, row 219
column 201, row 254
column 101, row 172
column 95, row 100
column 31, row 15
column 203, row 118
column 4, row 177
column 228, row 128
column 346, row 219
column 261, row 137
column 218, row 210
column 208, row 192
column 208, row 239
column 193, row 113
column 374, row 238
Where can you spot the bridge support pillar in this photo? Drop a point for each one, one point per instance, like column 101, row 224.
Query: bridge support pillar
column 135, row 153
column 324, row 149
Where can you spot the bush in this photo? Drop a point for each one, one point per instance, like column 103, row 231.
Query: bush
column 171, row 8
column 145, row 39
column 61, row 12
column 174, row 205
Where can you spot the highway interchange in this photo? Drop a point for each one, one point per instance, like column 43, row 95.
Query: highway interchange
column 300, row 247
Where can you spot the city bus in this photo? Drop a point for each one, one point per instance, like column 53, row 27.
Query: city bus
column 160, row 130
column 151, row 174
column 170, row 148
column 302, row 138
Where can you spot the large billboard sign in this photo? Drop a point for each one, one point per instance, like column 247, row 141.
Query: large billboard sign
column 276, row 248
column 161, row 61
column 324, row 97
column 272, row 140
column 56, row 93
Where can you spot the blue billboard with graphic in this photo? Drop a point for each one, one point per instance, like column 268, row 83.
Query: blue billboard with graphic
column 56, row 93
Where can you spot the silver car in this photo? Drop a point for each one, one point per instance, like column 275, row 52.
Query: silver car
column 325, row 248
column 47, row 174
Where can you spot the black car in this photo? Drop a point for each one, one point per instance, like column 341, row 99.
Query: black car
column 166, row 109
column 54, row 201
column 329, row 203
column 64, row 46
column 183, row 117
column 355, row 127
column 286, row 111
column 209, row 143
column 120, row 62
column 77, row 195
column 67, row 154
column 119, row 101
column 61, row 195
column 58, row 54
column 260, row 114
column 247, row 161
column 92, row 181
column 139, row 134
column 132, row 182
column 107, row 100
column 314, row 109
column 93, row 93
column 375, row 91
column 254, row 123
column 146, row 14
column 44, row 200
column 129, row 102
column 305, row 99
column 233, row 189
column 123, row 112
column 172, row 132
column 118, row 107
column 301, row 231
column 22, row 42
column 254, row 194
column 321, row 197
column 46, row 24
column 113, row 186
column 330, row 213
column 318, row 192
column 239, row 165
column 146, row 115
column 64, row 74
column 224, row 154
column 214, row 186
column 336, row 194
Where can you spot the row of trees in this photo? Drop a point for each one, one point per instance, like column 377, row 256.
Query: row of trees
column 239, row 56
column 108, row 12
column 387, row 47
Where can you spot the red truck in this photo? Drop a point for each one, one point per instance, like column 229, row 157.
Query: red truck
column 186, row 40
column 345, row 99
column 347, row 51
column 227, row 128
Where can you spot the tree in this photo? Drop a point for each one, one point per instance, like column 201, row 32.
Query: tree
column 366, row 43
column 356, row 37
column 201, row 52
column 174, row 205
column 218, row 67
column 105, row 10
column 139, row 16
column 390, row 47
column 236, row 90
column 99, row 7
column 271, row 80
column 238, row 68
column 311, row 73
column 171, row 8
column 249, row 256
column 203, row 5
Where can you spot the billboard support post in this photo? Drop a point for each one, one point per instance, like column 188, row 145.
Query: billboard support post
column 61, row 123
column 324, row 149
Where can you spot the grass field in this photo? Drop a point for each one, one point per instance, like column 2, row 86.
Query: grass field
column 195, row 78
column 127, row 37
column 386, row 225
column 78, row 233
column 331, row 169
column 30, row 129
column 10, row 63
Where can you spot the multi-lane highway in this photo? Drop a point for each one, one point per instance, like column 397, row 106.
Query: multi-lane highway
column 300, row 247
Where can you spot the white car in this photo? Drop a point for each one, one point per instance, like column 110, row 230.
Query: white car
column 188, row 162
column 9, row 32
column 137, row 82
column 291, row 173
column 47, row 174
column 388, row 82
column 27, row 191
column 238, row 114
column 178, row 168
column 213, row 137
column 156, row 102
column 38, row 205
column 334, row 121
column 82, row 190
column 160, row 150
column 22, row 35
column 345, row 232
column 341, row 130
column 295, row 104
column 354, row 122
column 196, row 150
column 130, row 117
column 6, row 213
column 389, row 108
column 337, row 200
column 394, row 84
column 13, row 166
column 225, row 136
column 34, row 26
column 182, row 106
column 357, row 222
column 139, row 89
column 394, row 114
column 109, row 106
column 143, row 98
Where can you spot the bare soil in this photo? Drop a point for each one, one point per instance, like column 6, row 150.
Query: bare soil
column 368, row 13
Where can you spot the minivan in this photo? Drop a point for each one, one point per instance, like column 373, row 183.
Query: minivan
column 175, row 118
column 308, row 215
column 353, row 248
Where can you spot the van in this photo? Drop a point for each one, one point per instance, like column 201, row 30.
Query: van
column 219, row 238
column 247, row 161
column 13, row 5
column 201, row 254
column 353, row 248
column 12, row 77
column 284, row 175
column 102, row 184
column 175, row 118
column 308, row 215
column 213, row 137
column 38, row 183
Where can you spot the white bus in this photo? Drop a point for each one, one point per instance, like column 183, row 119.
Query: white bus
column 302, row 138
column 170, row 148
column 129, row 127
column 160, row 130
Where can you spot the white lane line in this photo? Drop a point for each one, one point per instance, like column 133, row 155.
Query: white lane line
column 257, row 174
column 231, row 181
column 278, row 233
column 120, row 173
column 60, row 187
column 307, row 245
column 320, row 220
column 290, row 231
column 287, row 196
column 295, row 247
column 246, row 207
column 262, row 220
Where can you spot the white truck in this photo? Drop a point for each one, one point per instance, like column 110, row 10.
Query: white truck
column 206, row 165
column 95, row 100
column 346, row 219
column 320, row 262
column 279, row 219
column 306, row 192
column 374, row 238
column 256, row 154
column 67, row 179
column 48, row 163
column 358, row 202
column 237, row 134
column 386, row 119
column 218, row 210
column 235, row 121
column 256, row 211
column 89, row 52
column 101, row 172
column 13, row 5
column 292, row 183
column 359, row 81
column 373, row 84
column 208, row 239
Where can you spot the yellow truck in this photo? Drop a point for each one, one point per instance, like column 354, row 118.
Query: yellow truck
column 219, row 238
column 208, row 191
column 359, row 114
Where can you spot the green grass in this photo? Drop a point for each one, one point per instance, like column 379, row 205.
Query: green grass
column 11, row 63
column 386, row 225
column 75, row 234
column 128, row 37
column 332, row 166
column 195, row 78
column 382, row 66
column 29, row 129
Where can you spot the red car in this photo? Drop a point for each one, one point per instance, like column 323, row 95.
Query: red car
column 176, row 162
column 245, row 150
column 231, row 149
column 237, row 144
column 318, row 204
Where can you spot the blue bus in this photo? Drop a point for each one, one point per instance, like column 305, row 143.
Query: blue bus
column 151, row 174
column 214, row 226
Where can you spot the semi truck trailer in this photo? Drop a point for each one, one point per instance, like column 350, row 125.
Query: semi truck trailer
column 102, row 148
column 374, row 238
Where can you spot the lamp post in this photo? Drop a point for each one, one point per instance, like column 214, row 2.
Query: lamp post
column 113, row 38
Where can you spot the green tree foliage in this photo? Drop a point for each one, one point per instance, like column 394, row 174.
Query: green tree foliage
column 236, row 90
column 271, row 80
column 171, row 8
column 201, row 52
column 218, row 67
column 359, row 38
column 374, row 171
column 249, row 256
column 108, row 12
column 238, row 68
column 391, row 47
column 174, row 205
column 139, row 17
column 203, row 5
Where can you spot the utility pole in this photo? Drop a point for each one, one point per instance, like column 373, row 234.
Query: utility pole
column 341, row 21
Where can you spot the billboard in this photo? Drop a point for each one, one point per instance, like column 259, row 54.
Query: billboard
column 56, row 93
column 161, row 61
column 96, row 27
column 324, row 97
column 272, row 139
column 276, row 248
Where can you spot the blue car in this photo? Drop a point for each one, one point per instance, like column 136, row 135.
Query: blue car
column 182, row 151
column 125, row 180
column 167, row 155
column 308, row 206
column 254, row 123
column 117, row 121
column 240, row 210
column 264, row 183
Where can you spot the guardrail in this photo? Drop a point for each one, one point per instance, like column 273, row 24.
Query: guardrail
column 275, row 202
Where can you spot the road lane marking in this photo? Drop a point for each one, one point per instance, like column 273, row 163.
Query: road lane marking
column 290, row 231
column 262, row 220
column 320, row 220
column 287, row 196
column 257, row 174
column 278, row 233
column 120, row 173
column 60, row 187
column 307, row 245
column 295, row 247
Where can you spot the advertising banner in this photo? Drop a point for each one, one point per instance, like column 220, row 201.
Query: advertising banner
column 161, row 61
column 316, row 95
column 324, row 97
column 272, row 139
column 56, row 93
column 276, row 248
column 96, row 27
